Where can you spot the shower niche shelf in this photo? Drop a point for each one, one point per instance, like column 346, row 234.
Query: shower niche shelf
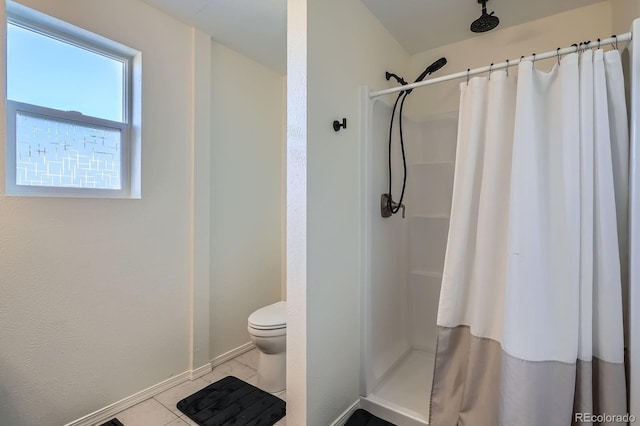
column 430, row 216
column 427, row 274
column 433, row 163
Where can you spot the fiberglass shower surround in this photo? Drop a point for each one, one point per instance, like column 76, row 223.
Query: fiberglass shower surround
column 536, row 247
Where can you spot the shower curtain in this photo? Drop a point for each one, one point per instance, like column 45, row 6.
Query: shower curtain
column 530, row 328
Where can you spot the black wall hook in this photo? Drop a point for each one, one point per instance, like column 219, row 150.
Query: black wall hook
column 338, row 125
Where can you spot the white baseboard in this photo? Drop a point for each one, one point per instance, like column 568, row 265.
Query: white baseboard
column 342, row 419
column 110, row 411
column 221, row 359
column 200, row 371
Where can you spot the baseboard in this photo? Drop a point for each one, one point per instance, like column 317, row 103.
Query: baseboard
column 342, row 419
column 110, row 411
column 200, row 371
column 221, row 359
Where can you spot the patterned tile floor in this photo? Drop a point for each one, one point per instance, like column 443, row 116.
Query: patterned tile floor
column 161, row 409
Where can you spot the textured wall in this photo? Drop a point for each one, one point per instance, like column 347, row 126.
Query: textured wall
column 246, row 193
column 94, row 294
column 296, row 213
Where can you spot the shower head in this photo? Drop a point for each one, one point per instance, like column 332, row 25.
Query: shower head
column 433, row 68
column 486, row 22
column 430, row 70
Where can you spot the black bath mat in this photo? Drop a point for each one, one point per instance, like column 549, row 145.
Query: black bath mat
column 112, row 422
column 232, row 401
column 365, row 418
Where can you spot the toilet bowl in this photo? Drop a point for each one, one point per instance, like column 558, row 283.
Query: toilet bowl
column 268, row 330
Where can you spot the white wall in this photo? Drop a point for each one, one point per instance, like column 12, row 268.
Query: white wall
column 246, row 193
column 624, row 12
column 561, row 30
column 283, row 198
column 341, row 46
column 200, row 199
column 95, row 294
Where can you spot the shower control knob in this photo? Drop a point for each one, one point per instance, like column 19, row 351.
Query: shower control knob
column 387, row 206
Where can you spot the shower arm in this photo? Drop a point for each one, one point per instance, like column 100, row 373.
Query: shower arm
column 396, row 77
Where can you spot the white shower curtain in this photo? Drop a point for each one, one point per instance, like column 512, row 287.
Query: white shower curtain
column 530, row 326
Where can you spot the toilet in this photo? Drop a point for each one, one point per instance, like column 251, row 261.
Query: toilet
column 268, row 329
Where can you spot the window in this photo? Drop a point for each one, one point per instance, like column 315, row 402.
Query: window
column 69, row 110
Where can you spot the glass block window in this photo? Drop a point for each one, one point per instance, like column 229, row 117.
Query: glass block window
column 68, row 109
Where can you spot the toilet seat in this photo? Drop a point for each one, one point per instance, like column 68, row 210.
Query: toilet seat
column 273, row 332
column 272, row 317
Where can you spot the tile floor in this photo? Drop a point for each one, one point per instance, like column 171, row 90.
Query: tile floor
column 161, row 409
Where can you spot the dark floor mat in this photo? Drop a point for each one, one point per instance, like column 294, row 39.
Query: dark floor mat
column 112, row 422
column 365, row 418
column 232, row 401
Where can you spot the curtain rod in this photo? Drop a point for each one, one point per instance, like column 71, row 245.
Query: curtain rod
column 464, row 74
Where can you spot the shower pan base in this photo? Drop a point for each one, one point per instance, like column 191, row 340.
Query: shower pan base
column 403, row 395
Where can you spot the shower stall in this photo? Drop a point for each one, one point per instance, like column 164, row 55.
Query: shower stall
column 403, row 257
column 403, row 263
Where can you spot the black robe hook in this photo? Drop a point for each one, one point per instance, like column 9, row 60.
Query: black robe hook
column 338, row 125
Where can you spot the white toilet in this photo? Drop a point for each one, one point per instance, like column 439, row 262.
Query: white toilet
column 268, row 329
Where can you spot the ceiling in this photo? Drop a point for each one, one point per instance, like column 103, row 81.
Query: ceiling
column 419, row 25
column 257, row 28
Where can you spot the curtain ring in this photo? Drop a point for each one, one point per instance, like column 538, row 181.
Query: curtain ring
column 598, row 44
column 507, row 68
column 576, row 46
column 586, row 44
column 490, row 70
column 616, row 41
column 468, row 71
column 558, row 55
column 534, row 59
